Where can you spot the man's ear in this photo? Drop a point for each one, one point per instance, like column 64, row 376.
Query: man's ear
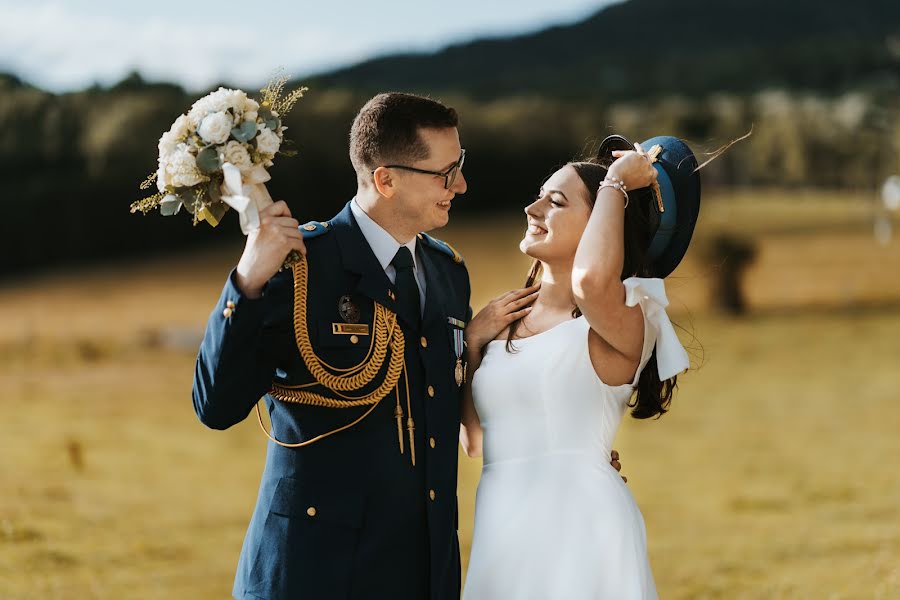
column 385, row 182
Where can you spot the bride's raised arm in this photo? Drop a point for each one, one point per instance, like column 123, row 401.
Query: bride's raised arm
column 597, row 270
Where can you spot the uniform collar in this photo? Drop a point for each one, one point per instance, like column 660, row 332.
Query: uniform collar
column 383, row 244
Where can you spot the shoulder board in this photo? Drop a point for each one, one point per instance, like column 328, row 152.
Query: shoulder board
column 314, row 229
column 441, row 246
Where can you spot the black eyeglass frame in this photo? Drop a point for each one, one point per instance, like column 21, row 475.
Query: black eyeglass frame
column 449, row 175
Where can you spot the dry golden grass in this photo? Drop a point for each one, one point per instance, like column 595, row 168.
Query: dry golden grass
column 774, row 476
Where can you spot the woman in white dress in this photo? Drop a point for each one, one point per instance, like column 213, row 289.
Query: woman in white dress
column 555, row 366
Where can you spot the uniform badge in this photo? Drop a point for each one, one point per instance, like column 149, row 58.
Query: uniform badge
column 348, row 310
column 349, row 329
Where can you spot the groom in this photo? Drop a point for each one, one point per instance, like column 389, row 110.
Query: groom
column 357, row 351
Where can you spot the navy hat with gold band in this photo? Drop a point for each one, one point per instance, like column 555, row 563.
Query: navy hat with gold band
column 679, row 186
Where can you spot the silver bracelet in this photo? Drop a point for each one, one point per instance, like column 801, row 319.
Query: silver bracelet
column 612, row 182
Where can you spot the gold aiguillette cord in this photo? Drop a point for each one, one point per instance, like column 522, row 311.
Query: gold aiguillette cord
column 387, row 339
column 398, row 414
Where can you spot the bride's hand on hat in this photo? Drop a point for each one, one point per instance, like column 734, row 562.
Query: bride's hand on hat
column 633, row 167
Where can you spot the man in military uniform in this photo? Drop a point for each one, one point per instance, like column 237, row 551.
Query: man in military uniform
column 357, row 348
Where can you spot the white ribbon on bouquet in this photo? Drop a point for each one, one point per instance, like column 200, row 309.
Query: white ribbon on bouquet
column 246, row 193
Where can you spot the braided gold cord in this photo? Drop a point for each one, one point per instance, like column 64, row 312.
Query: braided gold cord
column 315, row 365
column 386, row 333
column 395, row 369
column 379, row 328
column 315, row 439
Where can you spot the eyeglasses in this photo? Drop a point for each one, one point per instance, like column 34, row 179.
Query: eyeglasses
column 449, row 175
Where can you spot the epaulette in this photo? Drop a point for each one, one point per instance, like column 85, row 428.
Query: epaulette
column 314, row 229
column 442, row 246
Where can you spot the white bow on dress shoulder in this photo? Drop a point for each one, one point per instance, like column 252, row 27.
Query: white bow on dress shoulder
column 650, row 293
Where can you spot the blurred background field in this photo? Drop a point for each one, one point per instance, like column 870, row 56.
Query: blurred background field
column 774, row 476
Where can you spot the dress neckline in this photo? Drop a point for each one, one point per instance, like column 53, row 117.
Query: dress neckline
column 540, row 333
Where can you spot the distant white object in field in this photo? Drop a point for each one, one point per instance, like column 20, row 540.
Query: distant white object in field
column 890, row 193
column 883, row 230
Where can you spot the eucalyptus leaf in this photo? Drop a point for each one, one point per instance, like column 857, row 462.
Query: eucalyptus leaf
column 208, row 160
column 214, row 190
column 244, row 133
column 187, row 198
column 217, row 210
column 265, row 113
column 170, row 205
column 273, row 123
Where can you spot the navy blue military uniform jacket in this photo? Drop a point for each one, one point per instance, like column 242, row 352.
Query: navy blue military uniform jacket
column 348, row 516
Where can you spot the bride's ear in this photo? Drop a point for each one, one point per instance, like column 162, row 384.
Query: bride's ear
column 385, row 182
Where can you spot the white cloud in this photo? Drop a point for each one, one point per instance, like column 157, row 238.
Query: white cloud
column 69, row 45
column 60, row 48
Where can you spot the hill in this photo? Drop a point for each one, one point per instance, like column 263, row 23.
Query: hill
column 648, row 47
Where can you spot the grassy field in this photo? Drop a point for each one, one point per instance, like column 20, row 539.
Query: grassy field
column 774, row 476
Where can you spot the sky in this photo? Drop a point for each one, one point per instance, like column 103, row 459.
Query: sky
column 63, row 46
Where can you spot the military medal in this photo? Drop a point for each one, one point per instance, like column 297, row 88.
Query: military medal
column 459, row 345
column 348, row 310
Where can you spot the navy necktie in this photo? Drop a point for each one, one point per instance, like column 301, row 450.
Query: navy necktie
column 407, row 290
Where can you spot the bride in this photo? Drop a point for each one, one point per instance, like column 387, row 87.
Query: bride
column 556, row 365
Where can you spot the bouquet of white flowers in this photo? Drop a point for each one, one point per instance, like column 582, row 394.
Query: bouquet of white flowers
column 215, row 156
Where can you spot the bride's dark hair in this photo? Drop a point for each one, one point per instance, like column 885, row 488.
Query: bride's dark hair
column 652, row 396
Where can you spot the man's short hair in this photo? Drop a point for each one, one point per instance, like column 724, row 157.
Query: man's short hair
column 386, row 130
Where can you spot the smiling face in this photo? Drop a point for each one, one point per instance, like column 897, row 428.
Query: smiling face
column 557, row 218
column 421, row 203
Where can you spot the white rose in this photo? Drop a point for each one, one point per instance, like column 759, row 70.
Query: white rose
column 267, row 142
column 251, row 104
column 215, row 128
column 200, row 109
column 235, row 153
column 251, row 116
column 218, row 101
column 167, row 144
column 162, row 177
column 182, row 168
column 180, row 127
column 177, row 133
column 223, row 99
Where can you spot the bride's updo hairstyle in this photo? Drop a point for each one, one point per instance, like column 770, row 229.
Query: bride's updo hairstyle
column 652, row 396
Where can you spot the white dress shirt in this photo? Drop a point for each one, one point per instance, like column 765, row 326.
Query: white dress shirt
column 385, row 248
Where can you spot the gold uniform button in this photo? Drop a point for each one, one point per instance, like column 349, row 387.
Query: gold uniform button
column 311, row 511
column 354, row 339
column 431, row 442
column 431, row 494
column 227, row 312
column 431, row 391
column 309, row 227
column 230, row 304
column 424, row 342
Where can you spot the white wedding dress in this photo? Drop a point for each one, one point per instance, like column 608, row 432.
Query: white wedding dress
column 553, row 519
